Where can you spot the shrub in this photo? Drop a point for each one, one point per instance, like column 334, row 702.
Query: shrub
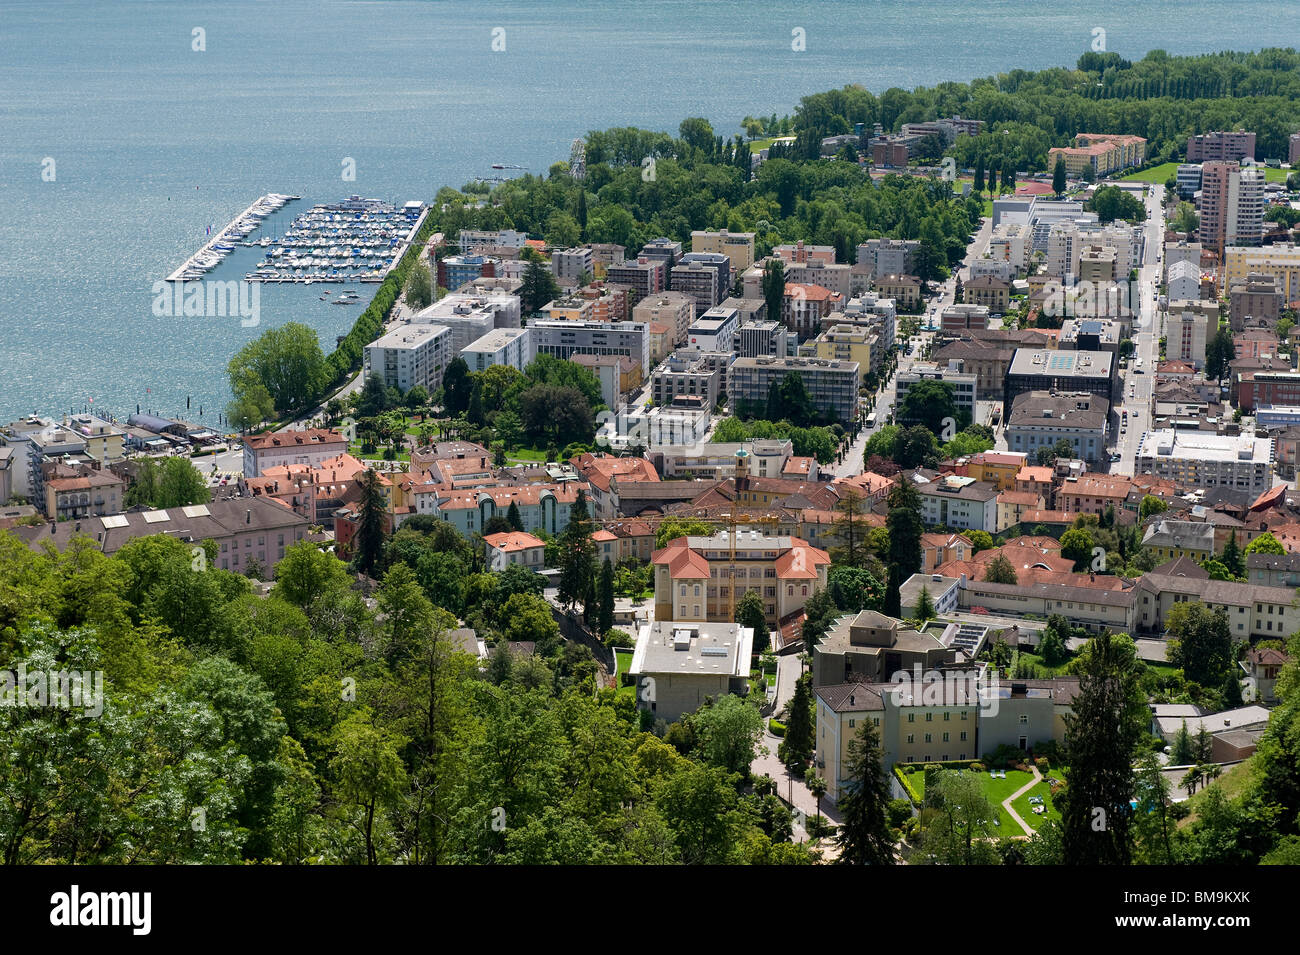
column 977, row 767
column 618, row 638
column 1042, row 765
column 777, row 728
column 900, row 811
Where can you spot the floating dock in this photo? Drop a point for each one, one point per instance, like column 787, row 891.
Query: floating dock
column 239, row 228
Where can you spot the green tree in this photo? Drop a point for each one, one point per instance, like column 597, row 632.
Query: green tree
column 930, row 403
column 1265, row 543
column 963, row 821
column 728, row 731
column 1101, row 737
column 286, row 361
column 796, row 749
column 457, row 386
column 369, row 774
column 1000, row 571
column 774, row 288
column 372, row 522
column 851, row 530
column 538, row 288
column 749, row 613
column 1232, row 558
column 578, row 556
column 1151, row 505
column 307, row 572
column 419, row 287
column 1202, row 643
column 1181, row 749
column 864, row 837
column 924, row 606
column 1058, row 176
column 605, row 597
column 903, row 521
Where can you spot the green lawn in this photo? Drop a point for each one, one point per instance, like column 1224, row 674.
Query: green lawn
column 623, row 660
column 1276, row 175
column 1026, row 810
column 1154, row 174
column 996, row 790
column 1231, row 784
column 526, row 454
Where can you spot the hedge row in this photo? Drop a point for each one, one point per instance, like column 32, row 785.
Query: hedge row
column 777, row 728
column 907, row 785
column 346, row 358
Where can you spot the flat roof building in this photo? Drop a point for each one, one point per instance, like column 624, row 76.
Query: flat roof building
column 1199, row 459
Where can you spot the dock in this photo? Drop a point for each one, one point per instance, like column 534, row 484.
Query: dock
column 235, row 231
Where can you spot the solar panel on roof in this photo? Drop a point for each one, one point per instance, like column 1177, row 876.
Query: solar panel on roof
column 114, row 520
column 155, row 517
column 196, row 510
column 713, row 651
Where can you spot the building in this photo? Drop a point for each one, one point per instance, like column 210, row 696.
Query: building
column 564, row 339
column 617, row 375
column 1231, row 206
column 991, row 292
column 1171, row 539
column 572, row 266
column 501, row 346
column 244, row 529
column 543, row 506
column 1221, row 146
column 315, row 492
column 799, row 253
column 605, row 254
column 905, row 290
column 1183, row 280
column 1011, row 242
column 678, row 666
column 1281, row 260
column 854, row 343
column 73, row 492
column 1257, row 296
column 411, row 355
column 1253, row 611
column 456, row 270
column 736, row 246
column 312, row 447
column 1041, row 419
column 470, row 316
column 685, row 420
column 1097, row 264
column 1262, row 668
column 714, row 330
column 964, row 386
column 701, row 579
column 832, row 385
column 762, row 337
column 514, row 547
column 473, row 240
column 1099, row 154
column 1188, row 328
column 956, row 318
column 673, row 309
column 871, row 647
column 648, row 275
column 1198, row 459
column 1091, row 334
column 806, row 306
column 681, row 374
column 717, row 461
column 1062, row 371
column 704, row 276
column 955, row 501
column 1188, row 180
column 889, row 256
column 664, row 250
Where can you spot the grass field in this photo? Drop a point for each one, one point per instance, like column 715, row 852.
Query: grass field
column 1044, row 789
column 1154, row 174
column 623, row 660
column 1231, row 784
column 996, row 790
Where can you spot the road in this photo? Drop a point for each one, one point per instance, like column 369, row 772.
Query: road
column 1136, row 388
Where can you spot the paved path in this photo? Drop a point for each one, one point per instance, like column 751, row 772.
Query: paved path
column 1006, row 803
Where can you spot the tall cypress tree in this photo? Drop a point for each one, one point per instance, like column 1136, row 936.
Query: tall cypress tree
column 1101, row 737
column 864, row 836
column 513, row 516
column 800, row 731
column 369, row 540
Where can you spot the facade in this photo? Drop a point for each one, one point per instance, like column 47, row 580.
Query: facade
column 889, row 256
column 697, row 579
column 678, row 666
column 1099, row 154
column 1281, row 260
column 570, row 265
column 646, row 276
column 701, row 281
column 1221, row 146
column 682, row 375
column 1042, row 418
column 905, row 290
column 956, row 318
column 312, row 447
column 964, row 385
column 471, row 315
column 74, row 492
column 1187, row 329
column 856, row 343
column 762, row 337
column 515, row 547
column 456, row 270
column 736, row 246
column 1257, row 297
column 1231, row 206
column 411, row 355
column 958, row 502
column 501, row 346
column 714, row 330
column 991, row 292
column 1188, row 180
column 1070, row 371
column 1199, row 459
column 564, row 339
column 673, row 309
column 832, row 385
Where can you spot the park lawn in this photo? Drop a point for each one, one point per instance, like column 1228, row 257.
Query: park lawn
column 1154, row 174
column 1026, row 810
column 995, row 789
column 1037, row 661
column 1231, row 784
column 1276, row 175
column 526, row 454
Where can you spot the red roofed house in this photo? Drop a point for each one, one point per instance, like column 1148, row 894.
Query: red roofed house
column 605, row 473
column 262, row 451
column 702, row 578
column 515, row 547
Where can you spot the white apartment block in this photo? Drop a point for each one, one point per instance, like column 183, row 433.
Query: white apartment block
column 471, row 240
column 563, row 339
column 1011, row 242
column 501, row 346
column 471, row 316
column 1201, row 459
column 1187, row 328
column 411, row 355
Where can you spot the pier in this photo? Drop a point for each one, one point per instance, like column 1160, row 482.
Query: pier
column 243, row 225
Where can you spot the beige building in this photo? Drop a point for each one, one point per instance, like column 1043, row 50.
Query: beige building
column 991, row 292
column 678, row 666
column 1282, row 261
column 737, row 246
column 858, row 343
column 872, row 647
column 514, row 547
column 673, row 309
column 701, row 579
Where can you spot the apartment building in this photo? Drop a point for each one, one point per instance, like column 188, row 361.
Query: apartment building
column 832, row 385
column 700, row 579
column 799, row 253
column 717, row 461
column 905, row 290
column 673, row 309
column 411, row 355
column 963, row 316
column 571, row 266
column 543, row 506
column 664, row 250
column 472, row 240
column 1231, row 206
column 957, row 501
column 1040, row 419
column 854, row 343
column 762, row 337
column 1063, row 371
column 1281, row 261
column 1099, row 154
column 714, row 330
column 1253, row 611
column 682, row 375
column 1187, row 180
column 618, row 375
column 563, row 339
column 648, row 275
column 501, row 346
column 1257, row 296
column 1188, row 326
column 77, row 491
column 806, row 306
column 311, row 447
column 736, row 246
column 705, row 277
column 1011, row 242
column 874, row 309
column 1221, row 146
column 993, row 293
column 456, row 270
column 688, row 664
column 605, row 254
column 1199, row 459
column 514, row 547
column 963, row 384
column 889, row 256
column 1091, row 334
column 471, row 315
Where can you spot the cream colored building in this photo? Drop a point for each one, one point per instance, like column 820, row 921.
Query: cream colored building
column 737, row 246
column 1282, row 261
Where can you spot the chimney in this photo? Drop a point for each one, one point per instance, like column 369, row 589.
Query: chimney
column 248, row 516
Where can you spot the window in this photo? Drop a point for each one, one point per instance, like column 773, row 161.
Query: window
column 875, row 721
column 947, row 716
column 911, row 717
column 945, row 739
column 911, row 738
column 851, row 722
column 929, row 717
column 927, row 737
column 963, row 736
column 1024, row 718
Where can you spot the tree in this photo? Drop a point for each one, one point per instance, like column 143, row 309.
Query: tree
column 916, row 448
column 930, row 403
column 513, row 516
column 1265, row 543
column 1232, row 558
column 1008, row 175
column 1151, row 505
column 749, row 613
column 286, row 361
column 372, row 523
column 419, row 287
column 369, row 772
column 307, row 572
column 1181, row 753
column 1058, row 176
column 1219, row 353
column 774, row 287
column 538, row 288
column 851, row 530
column 903, row 521
column 816, row 785
column 958, row 835
column 1112, row 202
column 796, row 749
column 605, row 597
column 1052, row 647
column 578, row 556
column 457, row 387
column 728, row 731
column 1077, row 545
column 993, row 179
column 1101, row 735
column 1000, row 571
column 979, row 176
column 1202, row 643
column 172, row 482
column 864, row 837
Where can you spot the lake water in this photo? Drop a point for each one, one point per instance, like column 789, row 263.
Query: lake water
column 152, row 140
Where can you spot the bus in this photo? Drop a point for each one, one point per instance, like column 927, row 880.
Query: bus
column 871, row 421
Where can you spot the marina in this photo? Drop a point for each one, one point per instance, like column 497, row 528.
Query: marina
column 235, row 234
column 354, row 240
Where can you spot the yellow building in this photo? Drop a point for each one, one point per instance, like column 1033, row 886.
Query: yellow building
column 846, row 343
column 998, row 468
column 737, row 246
column 1282, row 261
